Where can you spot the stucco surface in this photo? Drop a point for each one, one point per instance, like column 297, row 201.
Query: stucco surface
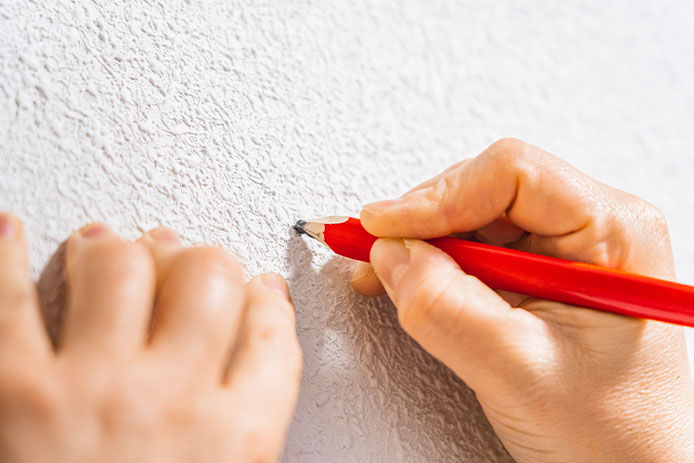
column 228, row 120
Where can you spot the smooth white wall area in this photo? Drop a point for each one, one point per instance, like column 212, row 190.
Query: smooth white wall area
column 228, row 120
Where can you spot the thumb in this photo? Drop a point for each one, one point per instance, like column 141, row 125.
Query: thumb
column 452, row 315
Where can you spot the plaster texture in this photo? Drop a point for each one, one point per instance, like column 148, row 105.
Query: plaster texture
column 228, row 120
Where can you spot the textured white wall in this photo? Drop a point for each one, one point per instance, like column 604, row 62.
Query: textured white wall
column 227, row 120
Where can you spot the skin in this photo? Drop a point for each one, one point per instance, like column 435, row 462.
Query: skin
column 165, row 355
column 558, row 383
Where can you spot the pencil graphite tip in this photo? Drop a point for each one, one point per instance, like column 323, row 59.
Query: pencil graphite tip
column 299, row 227
column 310, row 228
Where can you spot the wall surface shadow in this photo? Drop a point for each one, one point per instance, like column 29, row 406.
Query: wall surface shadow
column 393, row 388
column 52, row 291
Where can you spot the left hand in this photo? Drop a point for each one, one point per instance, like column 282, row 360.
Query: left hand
column 165, row 355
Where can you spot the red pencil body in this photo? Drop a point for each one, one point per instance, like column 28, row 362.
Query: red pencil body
column 544, row 277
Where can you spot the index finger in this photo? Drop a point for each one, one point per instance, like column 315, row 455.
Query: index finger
column 539, row 192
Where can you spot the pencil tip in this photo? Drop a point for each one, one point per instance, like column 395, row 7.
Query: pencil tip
column 299, row 227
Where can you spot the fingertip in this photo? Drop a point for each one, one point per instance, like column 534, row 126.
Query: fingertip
column 381, row 249
column 364, row 280
column 94, row 230
column 368, row 219
column 276, row 283
column 13, row 248
column 265, row 289
column 159, row 237
column 415, row 214
column 379, row 206
column 374, row 217
column 10, row 226
column 87, row 235
column 164, row 235
column 20, row 322
column 390, row 259
column 110, row 285
column 163, row 245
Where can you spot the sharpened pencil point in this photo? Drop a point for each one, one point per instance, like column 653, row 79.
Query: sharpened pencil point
column 315, row 227
column 299, row 227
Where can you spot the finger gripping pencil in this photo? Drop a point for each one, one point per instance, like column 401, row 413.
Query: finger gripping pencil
column 570, row 282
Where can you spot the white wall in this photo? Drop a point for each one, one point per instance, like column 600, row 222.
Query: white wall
column 227, row 120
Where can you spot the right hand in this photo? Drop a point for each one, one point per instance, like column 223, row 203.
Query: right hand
column 558, row 383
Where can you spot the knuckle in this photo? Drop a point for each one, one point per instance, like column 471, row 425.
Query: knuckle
column 622, row 227
column 182, row 414
column 121, row 403
column 275, row 336
column 653, row 220
column 16, row 292
column 40, row 400
column 115, row 407
column 445, row 194
column 656, row 220
column 121, row 255
column 629, row 227
column 509, row 149
column 517, row 155
column 608, row 238
column 30, row 395
column 255, row 435
column 211, row 258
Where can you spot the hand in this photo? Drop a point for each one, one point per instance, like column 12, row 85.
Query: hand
column 164, row 355
column 558, row 383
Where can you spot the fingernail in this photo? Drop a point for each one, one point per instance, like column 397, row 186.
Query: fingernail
column 276, row 283
column 393, row 257
column 8, row 226
column 379, row 206
column 95, row 230
column 164, row 234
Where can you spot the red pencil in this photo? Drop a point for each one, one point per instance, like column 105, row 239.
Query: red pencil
column 560, row 280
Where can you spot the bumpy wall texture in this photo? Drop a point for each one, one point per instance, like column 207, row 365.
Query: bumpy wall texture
column 227, row 120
